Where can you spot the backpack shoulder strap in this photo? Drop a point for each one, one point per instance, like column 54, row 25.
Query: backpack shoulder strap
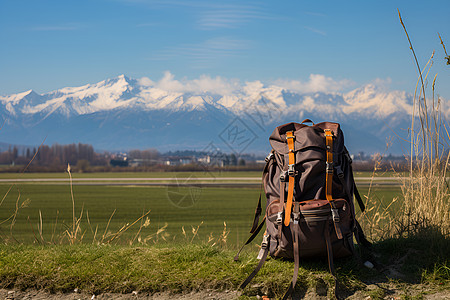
column 340, row 175
column 291, row 172
column 255, row 227
column 358, row 197
column 269, row 161
column 329, row 182
column 295, row 240
column 251, row 238
column 265, row 247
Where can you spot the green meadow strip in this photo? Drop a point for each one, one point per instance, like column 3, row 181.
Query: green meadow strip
column 193, row 267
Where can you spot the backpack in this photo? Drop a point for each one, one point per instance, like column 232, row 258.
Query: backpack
column 314, row 214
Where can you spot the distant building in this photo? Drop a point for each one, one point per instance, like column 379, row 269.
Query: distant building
column 119, row 160
column 178, row 160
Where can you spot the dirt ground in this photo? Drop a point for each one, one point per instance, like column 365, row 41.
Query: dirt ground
column 386, row 291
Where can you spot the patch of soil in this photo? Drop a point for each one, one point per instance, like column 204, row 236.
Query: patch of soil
column 388, row 291
column 41, row 295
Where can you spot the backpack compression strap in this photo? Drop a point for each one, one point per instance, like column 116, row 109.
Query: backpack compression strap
column 330, row 258
column 329, row 170
column 329, row 181
column 291, row 171
column 295, row 240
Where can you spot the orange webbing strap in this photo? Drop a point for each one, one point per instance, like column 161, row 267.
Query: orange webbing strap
column 329, row 181
column 291, row 171
column 329, row 170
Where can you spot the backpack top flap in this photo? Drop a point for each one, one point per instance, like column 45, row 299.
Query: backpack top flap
column 306, row 136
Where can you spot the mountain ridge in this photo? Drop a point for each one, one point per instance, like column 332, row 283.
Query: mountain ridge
column 123, row 112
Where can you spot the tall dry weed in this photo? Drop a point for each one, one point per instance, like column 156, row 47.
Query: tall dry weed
column 424, row 200
column 378, row 218
column 426, row 191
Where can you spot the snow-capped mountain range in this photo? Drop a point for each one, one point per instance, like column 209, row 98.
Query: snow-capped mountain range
column 202, row 114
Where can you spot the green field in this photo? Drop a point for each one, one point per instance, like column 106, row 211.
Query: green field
column 180, row 262
column 171, row 208
column 132, row 175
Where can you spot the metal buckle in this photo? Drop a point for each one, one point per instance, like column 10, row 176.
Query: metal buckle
column 328, row 132
column 291, row 170
column 290, row 137
column 279, row 219
column 265, row 241
column 349, row 158
column 296, row 217
column 335, row 215
column 284, row 176
column 339, row 171
column 329, row 168
column 269, row 157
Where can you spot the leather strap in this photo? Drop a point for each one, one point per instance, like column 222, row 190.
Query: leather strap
column 282, row 192
column 329, row 168
column 258, row 210
column 329, row 182
column 282, row 197
column 358, row 197
column 295, row 235
column 360, row 237
column 291, row 171
column 257, row 215
column 258, row 267
column 330, row 257
column 251, row 238
column 307, row 121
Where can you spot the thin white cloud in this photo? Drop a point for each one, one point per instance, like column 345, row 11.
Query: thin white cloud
column 315, row 14
column 148, row 25
column 224, row 86
column 58, row 27
column 205, row 54
column 204, row 84
column 212, row 15
column 315, row 30
column 231, row 17
column 316, row 83
column 145, row 81
column 54, row 28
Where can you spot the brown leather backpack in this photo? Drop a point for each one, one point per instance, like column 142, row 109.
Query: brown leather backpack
column 309, row 186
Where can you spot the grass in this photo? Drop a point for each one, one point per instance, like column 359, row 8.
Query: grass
column 212, row 206
column 199, row 266
column 131, row 175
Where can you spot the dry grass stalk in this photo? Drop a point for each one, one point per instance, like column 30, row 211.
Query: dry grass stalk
column 195, row 231
column 426, row 192
column 377, row 219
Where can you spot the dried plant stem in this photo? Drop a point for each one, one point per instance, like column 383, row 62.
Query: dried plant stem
column 126, row 227
column 73, row 204
column 32, row 230
column 415, row 59
column 426, row 195
column 54, row 226
column 107, row 225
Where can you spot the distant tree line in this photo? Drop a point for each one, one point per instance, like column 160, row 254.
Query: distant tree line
column 83, row 158
column 53, row 156
column 150, row 154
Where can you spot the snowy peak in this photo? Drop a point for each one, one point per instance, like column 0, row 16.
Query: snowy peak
column 372, row 101
column 205, row 94
column 30, row 94
column 198, row 112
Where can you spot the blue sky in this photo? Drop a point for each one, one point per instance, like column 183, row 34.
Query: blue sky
column 46, row 45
